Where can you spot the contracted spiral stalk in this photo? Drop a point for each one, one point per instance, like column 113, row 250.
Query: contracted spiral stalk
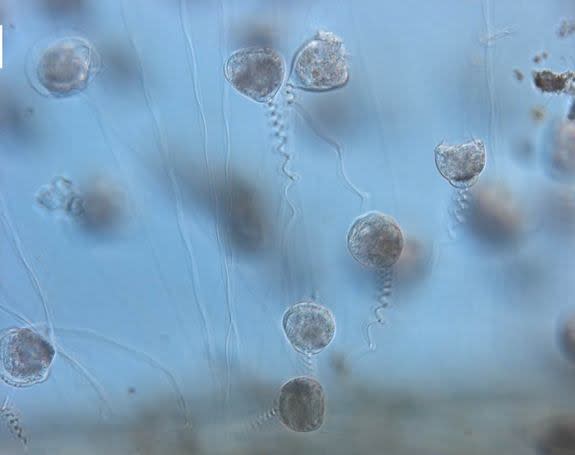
column 12, row 419
column 458, row 211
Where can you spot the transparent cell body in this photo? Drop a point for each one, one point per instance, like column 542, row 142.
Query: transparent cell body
column 460, row 164
column 321, row 63
column 375, row 240
column 256, row 72
column 56, row 195
column 64, row 66
column 301, row 404
column 26, row 357
column 309, row 327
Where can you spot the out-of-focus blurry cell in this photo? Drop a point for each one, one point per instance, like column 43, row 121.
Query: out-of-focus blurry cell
column 560, row 150
column 321, row 63
column 59, row 8
column 15, row 115
column 415, row 260
column 558, row 208
column 245, row 214
column 121, row 63
column 255, row 32
column 523, row 152
column 100, row 204
column 566, row 337
column 64, row 67
column 496, row 214
column 557, row 436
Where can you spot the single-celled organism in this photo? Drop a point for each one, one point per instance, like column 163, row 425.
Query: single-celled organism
column 57, row 195
column 495, row 213
column 376, row 241
column 25, row 357
column 460, row 165
column 309, row 327
column 321, row 64
column 64, row 67
column 301, row 404
column 256, row 72
column 13, row 420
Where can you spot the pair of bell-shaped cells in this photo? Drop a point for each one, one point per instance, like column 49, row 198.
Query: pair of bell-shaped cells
column 320, row 64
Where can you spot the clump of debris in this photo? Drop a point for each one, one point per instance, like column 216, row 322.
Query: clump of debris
column 550, row 82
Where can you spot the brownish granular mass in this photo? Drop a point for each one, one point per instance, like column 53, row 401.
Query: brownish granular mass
column 549, row 82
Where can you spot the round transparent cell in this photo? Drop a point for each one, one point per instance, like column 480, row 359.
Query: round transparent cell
column 55, row 195
column 64, row 66
column 25, row 356
column 301, row 404
column 321, row 64
column 309, row 327
column 375, row 240
column 460, row 164
column 256, row 72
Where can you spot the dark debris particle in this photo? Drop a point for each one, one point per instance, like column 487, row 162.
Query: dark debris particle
column 518, row 75
column 538, row 58
column 549, row 82
column 538, row 113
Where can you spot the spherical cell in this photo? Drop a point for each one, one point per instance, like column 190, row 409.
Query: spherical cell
column 301, row 405
column 309, row 327
column 65, row 67
column 375, row 240
column 321, row 63
column 256, row 72
column 496, row 214
column 460, row 164
column 25, row 356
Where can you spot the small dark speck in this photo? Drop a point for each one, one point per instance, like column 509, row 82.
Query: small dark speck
column 540, row 57
column 131, row 390
column 518, row 75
